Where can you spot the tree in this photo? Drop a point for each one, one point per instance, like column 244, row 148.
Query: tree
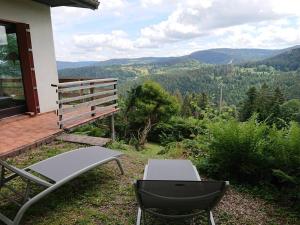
column 249, row 106
column 275, row 109
column 179, row 98
column 186, row 108
column 290, row 110
column 148, row 104
column 264, row 102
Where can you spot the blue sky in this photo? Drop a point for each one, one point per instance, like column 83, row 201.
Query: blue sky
column 138, row 28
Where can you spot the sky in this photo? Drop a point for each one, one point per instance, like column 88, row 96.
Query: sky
column 140, row 28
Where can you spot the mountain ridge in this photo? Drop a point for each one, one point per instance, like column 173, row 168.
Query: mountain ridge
column 216, row 56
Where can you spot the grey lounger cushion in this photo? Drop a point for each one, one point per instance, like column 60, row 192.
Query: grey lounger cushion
column 63, row 165
column 60, row 169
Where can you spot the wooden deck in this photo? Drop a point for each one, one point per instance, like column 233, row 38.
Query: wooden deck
column 21, row 133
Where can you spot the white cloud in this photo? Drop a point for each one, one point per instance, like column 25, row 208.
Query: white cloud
column 64, row 16
column 116, row 40
column 195, row 18
column 190, row 25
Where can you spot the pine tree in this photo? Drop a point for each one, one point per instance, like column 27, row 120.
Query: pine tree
column 275, row 110
column 179, row 97
column 250, row 104
column 264, row 102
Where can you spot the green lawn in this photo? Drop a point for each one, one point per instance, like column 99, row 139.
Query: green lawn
column 104, row 197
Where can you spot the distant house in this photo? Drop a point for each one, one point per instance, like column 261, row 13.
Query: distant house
column 27, row 56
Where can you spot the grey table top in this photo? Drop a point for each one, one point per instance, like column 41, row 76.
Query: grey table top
column 171, row 170
column 63, row 165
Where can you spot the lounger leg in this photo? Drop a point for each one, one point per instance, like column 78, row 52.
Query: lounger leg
column 211, row 220
column 27, row 192
column 120, row 165
column 139, row 215
column 2, row 173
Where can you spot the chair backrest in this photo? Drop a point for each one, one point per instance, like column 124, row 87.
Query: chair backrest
column 179, row 195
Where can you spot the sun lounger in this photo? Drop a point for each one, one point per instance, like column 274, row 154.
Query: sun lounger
column 175, row 185
column 54, row 172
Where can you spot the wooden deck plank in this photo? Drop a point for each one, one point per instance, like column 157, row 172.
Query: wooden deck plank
column 21, row 133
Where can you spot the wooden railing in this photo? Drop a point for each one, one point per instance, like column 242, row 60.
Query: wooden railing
column 82, row 100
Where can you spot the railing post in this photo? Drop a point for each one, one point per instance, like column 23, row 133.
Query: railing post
column 113, row 131
column 112, row 124
column 92, row 90
column 115, row 88
column 60, row 116
column 1, row 89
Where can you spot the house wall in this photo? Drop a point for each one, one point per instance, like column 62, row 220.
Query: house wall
column 39, row 18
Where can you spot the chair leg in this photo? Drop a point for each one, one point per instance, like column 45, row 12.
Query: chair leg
column 139, row 215
column 211, row 220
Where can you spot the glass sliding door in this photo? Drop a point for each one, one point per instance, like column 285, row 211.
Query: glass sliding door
column 12, row 98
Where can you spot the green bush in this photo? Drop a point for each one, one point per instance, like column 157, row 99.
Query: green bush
column 176, row 129
column 186, row 148
column 236, row 149
column 252, row 152
column 94, row 130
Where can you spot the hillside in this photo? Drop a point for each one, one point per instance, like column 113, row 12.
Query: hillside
column 189, row 74
column 236, row 80
column 286, row 61
column 234, row 56
column 129, row 72
column 210, row 56
column 64, row 64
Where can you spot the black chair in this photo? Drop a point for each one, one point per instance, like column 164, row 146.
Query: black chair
column 177, row 199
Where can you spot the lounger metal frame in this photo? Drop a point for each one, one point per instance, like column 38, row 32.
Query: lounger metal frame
column 141, row 212
column 31, row 179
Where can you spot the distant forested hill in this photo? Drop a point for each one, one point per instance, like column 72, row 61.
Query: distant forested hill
column 128, row 72
column 64, row 64
column 234, row 80
column 190, row 74
column 234, row 56
column 286, row 61
column 211, row 56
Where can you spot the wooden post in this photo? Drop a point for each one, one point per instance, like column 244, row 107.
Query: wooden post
column 92, row 90
column 60, row 117
column 1, row 87
column 112, row 124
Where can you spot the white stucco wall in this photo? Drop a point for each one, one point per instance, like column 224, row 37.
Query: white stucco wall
column 39, row 18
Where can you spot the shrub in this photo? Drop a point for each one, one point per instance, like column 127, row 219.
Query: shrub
column 236, row 149
column 176, row 129
column 186, row 148
column 252, row 152
column 93, row 130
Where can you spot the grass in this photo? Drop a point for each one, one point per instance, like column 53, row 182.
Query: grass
column 104, row 197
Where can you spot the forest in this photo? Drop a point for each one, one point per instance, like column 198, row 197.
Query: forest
column 235, row 122
column 256, row 146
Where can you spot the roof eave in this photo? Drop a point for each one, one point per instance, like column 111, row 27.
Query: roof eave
column 90, row 4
